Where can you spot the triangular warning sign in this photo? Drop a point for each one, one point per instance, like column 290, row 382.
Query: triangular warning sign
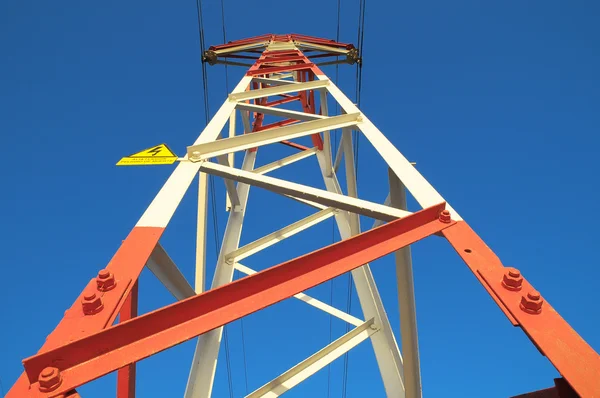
column 160, row 154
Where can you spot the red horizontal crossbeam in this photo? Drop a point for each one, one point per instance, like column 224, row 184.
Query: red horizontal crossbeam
column 280, row 53
column 277, row 69
column 93, row 356
column 292, row 58
column 283, row 101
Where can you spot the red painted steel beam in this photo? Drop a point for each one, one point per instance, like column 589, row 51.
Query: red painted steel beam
column 93, row 356
column 574, row 359
column 125, row 266
column 277, row 69
column 240, row 42
column 294, row 145
column 318, row 40
column 276, row 124
column 283, row 101
column 126, row 375
column 281, row 53
column 561, row 389
column 294, row 58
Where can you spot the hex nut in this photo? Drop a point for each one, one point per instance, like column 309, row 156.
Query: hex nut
column 50, row 379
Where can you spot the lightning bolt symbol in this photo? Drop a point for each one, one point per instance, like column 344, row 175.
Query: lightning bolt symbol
column 155, row 151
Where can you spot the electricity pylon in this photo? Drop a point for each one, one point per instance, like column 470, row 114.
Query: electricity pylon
column 85, row 345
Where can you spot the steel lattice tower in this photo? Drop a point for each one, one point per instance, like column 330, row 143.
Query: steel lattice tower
column 85, row 346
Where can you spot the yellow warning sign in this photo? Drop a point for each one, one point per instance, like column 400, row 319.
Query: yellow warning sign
column 160, row 154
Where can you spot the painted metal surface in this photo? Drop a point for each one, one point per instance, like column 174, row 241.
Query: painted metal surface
column 85, row 345
column 93, row 356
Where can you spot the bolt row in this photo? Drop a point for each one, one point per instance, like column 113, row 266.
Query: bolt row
column 50, row 378
column 532, row 301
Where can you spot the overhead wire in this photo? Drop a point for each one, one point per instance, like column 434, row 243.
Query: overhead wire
column 211, row 178
column 360, row 44
column 224, row 31
column 333, row 221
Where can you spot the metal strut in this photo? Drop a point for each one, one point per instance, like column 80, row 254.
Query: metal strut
column 85, row 345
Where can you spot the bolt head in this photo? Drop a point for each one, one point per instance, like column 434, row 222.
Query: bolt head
column 532, row 302
column 105, row 280
column 91, row 303
column 445, row 216
column 49, row 379
column 512, row 279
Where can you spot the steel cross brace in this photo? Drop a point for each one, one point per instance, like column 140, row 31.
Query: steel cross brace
column 90, row 357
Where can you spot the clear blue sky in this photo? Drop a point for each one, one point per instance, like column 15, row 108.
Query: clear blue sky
column 496, row 102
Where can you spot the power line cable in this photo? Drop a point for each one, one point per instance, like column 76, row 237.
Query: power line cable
column 360, row 43
column 211, row 178
column 333, row 221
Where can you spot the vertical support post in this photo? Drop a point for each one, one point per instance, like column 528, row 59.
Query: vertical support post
column 126, row 375
column 200, row 281
column 326, row 136
column 384, row 343
column 204, row 364
column 406, row 301
column 230, row 156
column 350, row 177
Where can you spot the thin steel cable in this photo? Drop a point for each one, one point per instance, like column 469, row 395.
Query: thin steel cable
column 224, row 31
column 211, row 179
column 333, row 221
column 360, row 43
column 224, row 41
column 244, row 353
column 228, row 362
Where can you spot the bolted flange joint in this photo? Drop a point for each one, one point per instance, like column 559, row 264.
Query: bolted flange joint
column 91, row 303
column 210, row 57
column 532, row 302
column 512, row 279
column 445, row 217
column 49, row 379
column 105, row 280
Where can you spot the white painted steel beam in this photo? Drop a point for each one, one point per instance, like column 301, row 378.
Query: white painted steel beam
column 312, row 301
column 230, row 186
column 242, row 47
column 339, row 154
column 323, row 197
column 378, row 223
column 246, row 122
column 321, row 47
column 385, row 346
column 273, row 81
column 282, row 76
column 326, row 135
column 284, row 89
column 220, row 147
column 204, row 364
column 314, row 363
column 350, row 177
column 162, row 208
column 271, row 110
column 200, row 279
column 167, row 272
column 278, row 236
column 285, row 161
column 230, row 156
column 424, row 193
column 307, row 202
column 406, row 301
